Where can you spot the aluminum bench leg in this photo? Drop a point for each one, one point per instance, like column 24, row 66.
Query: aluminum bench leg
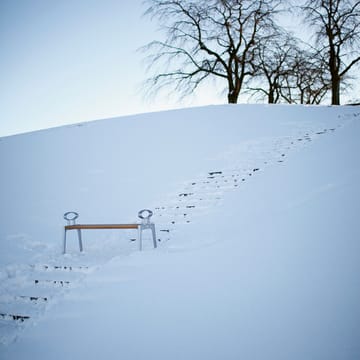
column 154, row 235
column 80, row 240
column 64, row 248
column 140, row 229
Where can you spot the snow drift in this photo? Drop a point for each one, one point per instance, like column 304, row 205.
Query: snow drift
column 256, row 211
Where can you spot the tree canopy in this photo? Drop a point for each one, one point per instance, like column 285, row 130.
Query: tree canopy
column 209, row 39
column 240, row 44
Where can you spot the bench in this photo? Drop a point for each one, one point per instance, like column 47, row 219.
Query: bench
column 144, row 215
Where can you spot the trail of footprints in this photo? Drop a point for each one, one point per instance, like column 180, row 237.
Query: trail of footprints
column 198, row 196
column 30, row 290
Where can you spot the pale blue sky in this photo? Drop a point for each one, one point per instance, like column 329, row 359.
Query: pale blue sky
column 66, row 61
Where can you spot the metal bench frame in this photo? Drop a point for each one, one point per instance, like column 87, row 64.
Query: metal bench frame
column 71, row 216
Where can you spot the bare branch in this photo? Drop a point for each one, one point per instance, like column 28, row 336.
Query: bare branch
column 337, row 26
column 207, row 39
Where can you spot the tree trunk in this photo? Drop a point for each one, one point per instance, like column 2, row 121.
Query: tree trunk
column 234, row 88
column 334, row 63
column 271, row 98
column 233, row 97
column 335, row 91
column 302, row 96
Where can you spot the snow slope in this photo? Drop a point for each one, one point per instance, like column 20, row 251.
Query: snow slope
column 256, row 211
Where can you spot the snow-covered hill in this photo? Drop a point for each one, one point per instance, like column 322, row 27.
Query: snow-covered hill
column 256, row 209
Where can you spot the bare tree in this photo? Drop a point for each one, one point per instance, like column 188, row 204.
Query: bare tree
column 273, row 62
column 337, row 25
column 288, row 70
column 306, row 80
column 213, row 39
column 310, row 77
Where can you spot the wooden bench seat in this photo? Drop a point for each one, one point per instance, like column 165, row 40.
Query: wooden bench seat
column 101, row 226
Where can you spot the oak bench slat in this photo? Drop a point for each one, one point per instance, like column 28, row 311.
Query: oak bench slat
column 101, row 226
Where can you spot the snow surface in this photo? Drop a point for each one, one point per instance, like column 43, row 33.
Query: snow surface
column 256, row 209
